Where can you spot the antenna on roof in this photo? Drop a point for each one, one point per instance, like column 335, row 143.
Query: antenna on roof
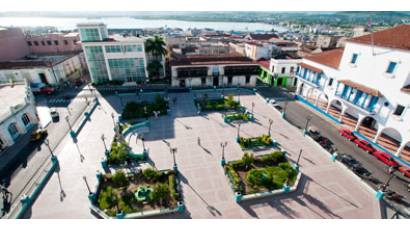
column 369, row 26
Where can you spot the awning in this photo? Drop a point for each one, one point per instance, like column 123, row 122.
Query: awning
column 314, row 69
column 365, row 89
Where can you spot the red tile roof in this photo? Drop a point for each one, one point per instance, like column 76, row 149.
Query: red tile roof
column 363, row 88
column 210, row 60
column 314, row 69
column 329, row 58
column 397, row 37
column 262, row 37
column 265, row 64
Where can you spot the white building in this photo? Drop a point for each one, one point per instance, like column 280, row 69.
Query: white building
column 215, row 71
column 366, row 87
column 17, row 113
column 114, row 58
column 280, row 70
column 49, row 70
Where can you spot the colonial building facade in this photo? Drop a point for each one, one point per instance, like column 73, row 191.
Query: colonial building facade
column 365, row 87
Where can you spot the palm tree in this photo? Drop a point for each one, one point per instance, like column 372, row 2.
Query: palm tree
column 156, row 47
column 247, row 160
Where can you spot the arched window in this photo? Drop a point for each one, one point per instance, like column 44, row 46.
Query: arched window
column 13, row 130
column 25, row 119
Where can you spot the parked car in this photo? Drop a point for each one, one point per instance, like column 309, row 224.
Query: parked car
column 47, row 90
column 385, row 158
column 347, row 160
column 366, row 146
column 405, row 171
column 314, row 134
column 348, row 134
column 55, row 116
column 326, row 144
column 360, row 171
column 41, row 88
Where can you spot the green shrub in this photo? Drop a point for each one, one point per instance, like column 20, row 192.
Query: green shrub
column 107, row 198
column 248, row 159
column 279, row 176
column 266, row 139
column 118, row 153
column 259, row 178
column 234, row 178
column 160, row 193
column 124, row 204
column 274, row 158
column 151, row 174
column 119, row 179
column 172, row 185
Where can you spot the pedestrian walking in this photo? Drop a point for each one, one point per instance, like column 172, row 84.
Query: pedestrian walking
column 199, row 141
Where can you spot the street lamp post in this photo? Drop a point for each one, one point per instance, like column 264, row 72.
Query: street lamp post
column 173, row 151
column 239, row 94
column 284, row 109
column 237, row 134
column 223, row 145
column 143, row 145
column 297, row 162
column 105, row 146
column 270, row 126
column 113, row 119
column 307, row 124
column 72, row 133
column 253, row 105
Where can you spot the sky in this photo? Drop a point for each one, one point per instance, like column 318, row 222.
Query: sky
column 202, row 5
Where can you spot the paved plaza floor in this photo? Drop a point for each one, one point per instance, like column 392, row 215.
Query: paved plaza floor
column 326, row 189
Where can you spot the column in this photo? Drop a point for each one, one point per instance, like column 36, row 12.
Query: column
column 342, row 113
column 402, row 146
column 359, row 121
column 379, row 132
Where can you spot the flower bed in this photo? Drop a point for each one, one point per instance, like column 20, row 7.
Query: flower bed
column 261, row 174
column 133, row 194
column 134, row 110
column 238, row 116
column 222, row 104
column 253, row 142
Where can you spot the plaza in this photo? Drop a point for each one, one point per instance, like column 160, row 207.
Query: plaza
column 326, row 190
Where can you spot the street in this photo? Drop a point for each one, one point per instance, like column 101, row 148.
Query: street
column 296, row 114
column 31, row 157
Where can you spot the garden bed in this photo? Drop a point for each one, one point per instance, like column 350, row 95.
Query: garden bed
column 255, row 142
column 137, row 194
column 255, row 176
column 222, row 104
column 120, row 154
column 238, row 116
column 134, row 110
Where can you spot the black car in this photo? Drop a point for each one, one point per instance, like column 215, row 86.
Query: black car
column 348, row 160
column 312, row 132
column 361, row 171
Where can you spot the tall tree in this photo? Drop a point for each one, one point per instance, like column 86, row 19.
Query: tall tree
column 156, row 47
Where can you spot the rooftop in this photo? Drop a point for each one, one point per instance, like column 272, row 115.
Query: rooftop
column 262, row 37
column 37, row 61
column 397, row 37
column 11, row 95
column 329, row 58
column 211, row 60
column 90, row 24
column 264, row 63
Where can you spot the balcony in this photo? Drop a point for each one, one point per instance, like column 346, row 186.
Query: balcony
column 314, row 82
column 358, row 96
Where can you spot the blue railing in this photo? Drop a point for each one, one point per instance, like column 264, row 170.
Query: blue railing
column 304, row 101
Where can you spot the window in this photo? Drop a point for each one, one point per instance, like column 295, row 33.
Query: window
column 29, row 43
column 354, row 58
column 273, row 69
column 391, row 67
column 203, row 81
column 36, row 43
column 283, row 70
column 49, row 43
column 330, row 82
column 292, row 69
column 43, row 43
column 74, row 42
column 247, row 79
column 399, row 110
column 13, row 130
column 65, row 42
column 90, row 34
column 25, row 119
column 56, row 42
column 230, row 79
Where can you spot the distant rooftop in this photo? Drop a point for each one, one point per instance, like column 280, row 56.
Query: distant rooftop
column 211, row 60
column 35, row 61
column 397, row 37
column 11, row 95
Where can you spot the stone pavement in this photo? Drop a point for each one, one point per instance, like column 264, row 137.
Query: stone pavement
column 326, row 190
